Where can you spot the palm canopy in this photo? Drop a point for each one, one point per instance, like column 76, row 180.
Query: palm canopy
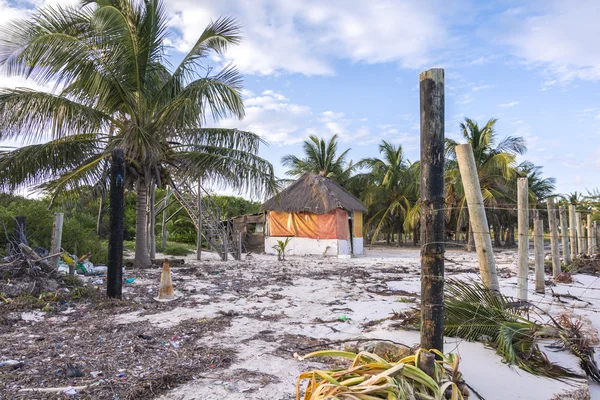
column 495, row 161
column 321, row 158
column 114, row 88
column 390, row 188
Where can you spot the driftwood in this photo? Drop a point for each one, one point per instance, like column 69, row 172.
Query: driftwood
column 27, row 262
column 52, row 390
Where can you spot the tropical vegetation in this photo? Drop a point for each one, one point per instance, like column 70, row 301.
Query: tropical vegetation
column 114, row 89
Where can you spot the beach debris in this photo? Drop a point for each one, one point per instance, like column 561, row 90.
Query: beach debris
column 73, row 371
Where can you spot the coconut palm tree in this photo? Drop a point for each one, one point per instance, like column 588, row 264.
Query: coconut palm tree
column 390, row 189
column 113, row 88
column 495, row 161
column 320, row 157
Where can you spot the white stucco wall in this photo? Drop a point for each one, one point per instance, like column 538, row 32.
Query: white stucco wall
column 357, row 243
column 304, row 246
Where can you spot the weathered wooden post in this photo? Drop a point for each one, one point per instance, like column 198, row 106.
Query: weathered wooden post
column 553, row 237
column 20, row 231
column 432, row 208
column 595, row 231
column 564, row 235
column 573, row 232
column 523, row 233
column 164, row 220
column 477, row 217
column 56, row 239
column 114, row 276
column 580, row 235
column 538, row 249
column 199, row 222
column 590, row 237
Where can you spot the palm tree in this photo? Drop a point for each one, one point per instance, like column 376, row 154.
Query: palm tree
column 320, row 157
column 495, row 161
column 114, row 89
column 390, row 189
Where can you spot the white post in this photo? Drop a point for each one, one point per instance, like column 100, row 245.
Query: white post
column 56, row 238
column 523, row 234
column 164, row 220
column 595, row 234
column 580, row 235
column 553, row 237
column 590, row 237
column 538, row 246
column 477, row 217
column 564, row 235
column 199, row 222
column 573, row 232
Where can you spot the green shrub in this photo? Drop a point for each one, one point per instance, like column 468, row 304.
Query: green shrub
column 176, row 250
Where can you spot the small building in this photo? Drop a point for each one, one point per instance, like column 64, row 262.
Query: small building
column 318, row 215
column 252, row 230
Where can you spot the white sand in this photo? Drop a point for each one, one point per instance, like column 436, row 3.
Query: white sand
column 319, row 290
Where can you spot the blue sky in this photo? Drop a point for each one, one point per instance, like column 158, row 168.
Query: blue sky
column 351, row 67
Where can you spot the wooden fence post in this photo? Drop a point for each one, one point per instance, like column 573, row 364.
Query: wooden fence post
column 56, row 239
column 553, row 237
column 114, row 276
column 538, row 246
column 523, row 233
column 580, row 235
column 199, row 222
column 477, row 217
column 432, row 103
column 163, row 229
column 20, row 231
column 573, row 232
column 590, row 238
column 564, row 235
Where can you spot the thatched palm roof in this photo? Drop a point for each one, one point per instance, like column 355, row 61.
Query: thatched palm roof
column 313, row 193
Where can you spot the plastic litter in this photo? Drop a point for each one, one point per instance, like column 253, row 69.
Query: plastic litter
column 95, row 374
column 343, row 318
column 129, row 280
column 14, row 364
column 70, row 391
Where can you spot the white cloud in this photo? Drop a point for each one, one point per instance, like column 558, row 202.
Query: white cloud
column 562, row 38
column 305, row 37
column 464, row 99
column 281, row 122
column 481, row 87
column 511, row 104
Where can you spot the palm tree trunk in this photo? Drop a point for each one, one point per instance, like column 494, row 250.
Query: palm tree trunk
column 152, row 233
column 510, row 236
column 497, row 236
column 142, row 257
column 470, row 240
column 415, row 237
column 400, row 231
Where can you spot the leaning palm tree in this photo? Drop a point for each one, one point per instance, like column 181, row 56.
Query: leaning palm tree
column 320, row 157
column 114, row 89
column 495, row 162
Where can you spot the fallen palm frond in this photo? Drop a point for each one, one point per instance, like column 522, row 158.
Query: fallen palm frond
column 370, row 377
column 475, row 313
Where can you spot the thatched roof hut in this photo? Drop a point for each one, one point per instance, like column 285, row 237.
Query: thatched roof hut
column 315, row 194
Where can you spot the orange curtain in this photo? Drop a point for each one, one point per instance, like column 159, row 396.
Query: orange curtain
column 333, row 225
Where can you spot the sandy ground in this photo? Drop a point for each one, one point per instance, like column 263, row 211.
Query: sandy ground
column 258, row 312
